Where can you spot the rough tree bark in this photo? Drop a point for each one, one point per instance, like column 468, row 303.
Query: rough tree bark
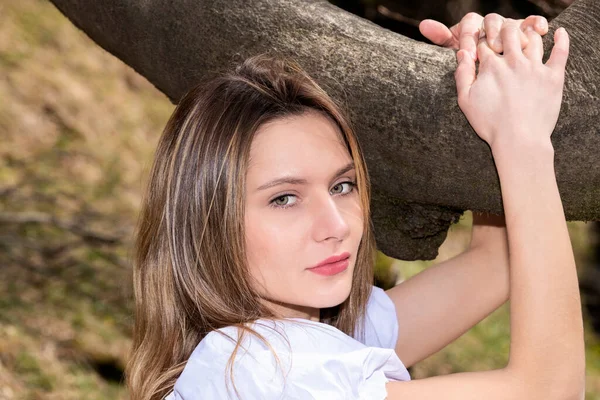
column 426, row 163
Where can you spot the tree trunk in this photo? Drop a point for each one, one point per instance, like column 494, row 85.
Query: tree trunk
column 427, row 164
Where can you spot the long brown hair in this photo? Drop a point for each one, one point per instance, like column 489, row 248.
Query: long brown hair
column 190, row 271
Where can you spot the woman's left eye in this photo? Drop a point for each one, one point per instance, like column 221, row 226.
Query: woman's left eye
column 340, row 186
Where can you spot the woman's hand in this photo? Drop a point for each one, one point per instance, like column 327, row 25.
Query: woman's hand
column 465, row 34
column 514, row 97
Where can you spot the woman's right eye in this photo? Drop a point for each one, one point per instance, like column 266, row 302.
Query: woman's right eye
column 280, row 202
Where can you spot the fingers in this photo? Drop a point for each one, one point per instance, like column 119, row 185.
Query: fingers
column 464, row 74
column 469, row 29
column 560, row 51
column 535, row 49
column 484, row 52
column 493, row 23
column 537, row 23
column 511, row 39
column 469, row 33
column 438, row 33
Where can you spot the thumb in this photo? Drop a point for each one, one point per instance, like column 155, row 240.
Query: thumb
column 437, row 33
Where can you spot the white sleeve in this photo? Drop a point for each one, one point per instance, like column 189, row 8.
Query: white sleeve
column 381, row 321
column 359, row 374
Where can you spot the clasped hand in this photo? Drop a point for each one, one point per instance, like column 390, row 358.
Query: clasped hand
column 513, row 97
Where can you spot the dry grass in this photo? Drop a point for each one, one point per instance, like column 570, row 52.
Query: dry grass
column 79, row 129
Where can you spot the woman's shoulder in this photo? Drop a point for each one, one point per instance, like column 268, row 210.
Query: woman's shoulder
column 299, row 335
column 289, row 335
column 380, row 330
column 325, row 360
column 381, row 321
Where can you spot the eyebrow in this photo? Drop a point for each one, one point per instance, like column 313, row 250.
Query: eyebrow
column 300, row 181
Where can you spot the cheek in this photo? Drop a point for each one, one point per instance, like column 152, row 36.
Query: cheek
column 267, row 241
column 354, row 216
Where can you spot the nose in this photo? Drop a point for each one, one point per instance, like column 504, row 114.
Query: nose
column 330, row 220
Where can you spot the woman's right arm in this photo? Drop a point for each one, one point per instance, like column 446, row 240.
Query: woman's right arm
column 512, row 104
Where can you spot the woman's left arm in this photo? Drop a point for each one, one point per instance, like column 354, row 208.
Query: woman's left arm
column 438, row 305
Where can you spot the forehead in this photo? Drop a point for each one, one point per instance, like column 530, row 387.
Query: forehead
column 311, row 141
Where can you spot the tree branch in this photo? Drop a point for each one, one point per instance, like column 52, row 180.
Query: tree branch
column 426, row 163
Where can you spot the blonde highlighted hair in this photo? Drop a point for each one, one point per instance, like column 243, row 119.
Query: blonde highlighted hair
column 190, row 271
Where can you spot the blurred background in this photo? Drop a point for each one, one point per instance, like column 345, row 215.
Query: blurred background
column 78, row 130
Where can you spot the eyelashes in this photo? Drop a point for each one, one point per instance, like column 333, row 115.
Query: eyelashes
column 273, row 203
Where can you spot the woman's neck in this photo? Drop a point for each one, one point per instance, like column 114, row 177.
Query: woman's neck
column 285, row 310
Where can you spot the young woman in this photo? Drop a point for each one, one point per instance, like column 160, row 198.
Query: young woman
column 255, row 251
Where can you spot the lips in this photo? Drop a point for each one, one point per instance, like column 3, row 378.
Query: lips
column 332, row 260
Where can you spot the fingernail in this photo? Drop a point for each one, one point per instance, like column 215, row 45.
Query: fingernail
column 473, row 55
column 541, row 24
column 460, row 56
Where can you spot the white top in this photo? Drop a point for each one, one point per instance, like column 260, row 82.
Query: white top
column 326, row 364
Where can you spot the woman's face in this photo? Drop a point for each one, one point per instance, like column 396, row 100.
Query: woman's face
column 312, row 214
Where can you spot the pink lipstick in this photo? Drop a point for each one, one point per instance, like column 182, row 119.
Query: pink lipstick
column 332, row 265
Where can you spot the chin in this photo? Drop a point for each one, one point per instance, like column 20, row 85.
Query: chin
column 331, row 292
